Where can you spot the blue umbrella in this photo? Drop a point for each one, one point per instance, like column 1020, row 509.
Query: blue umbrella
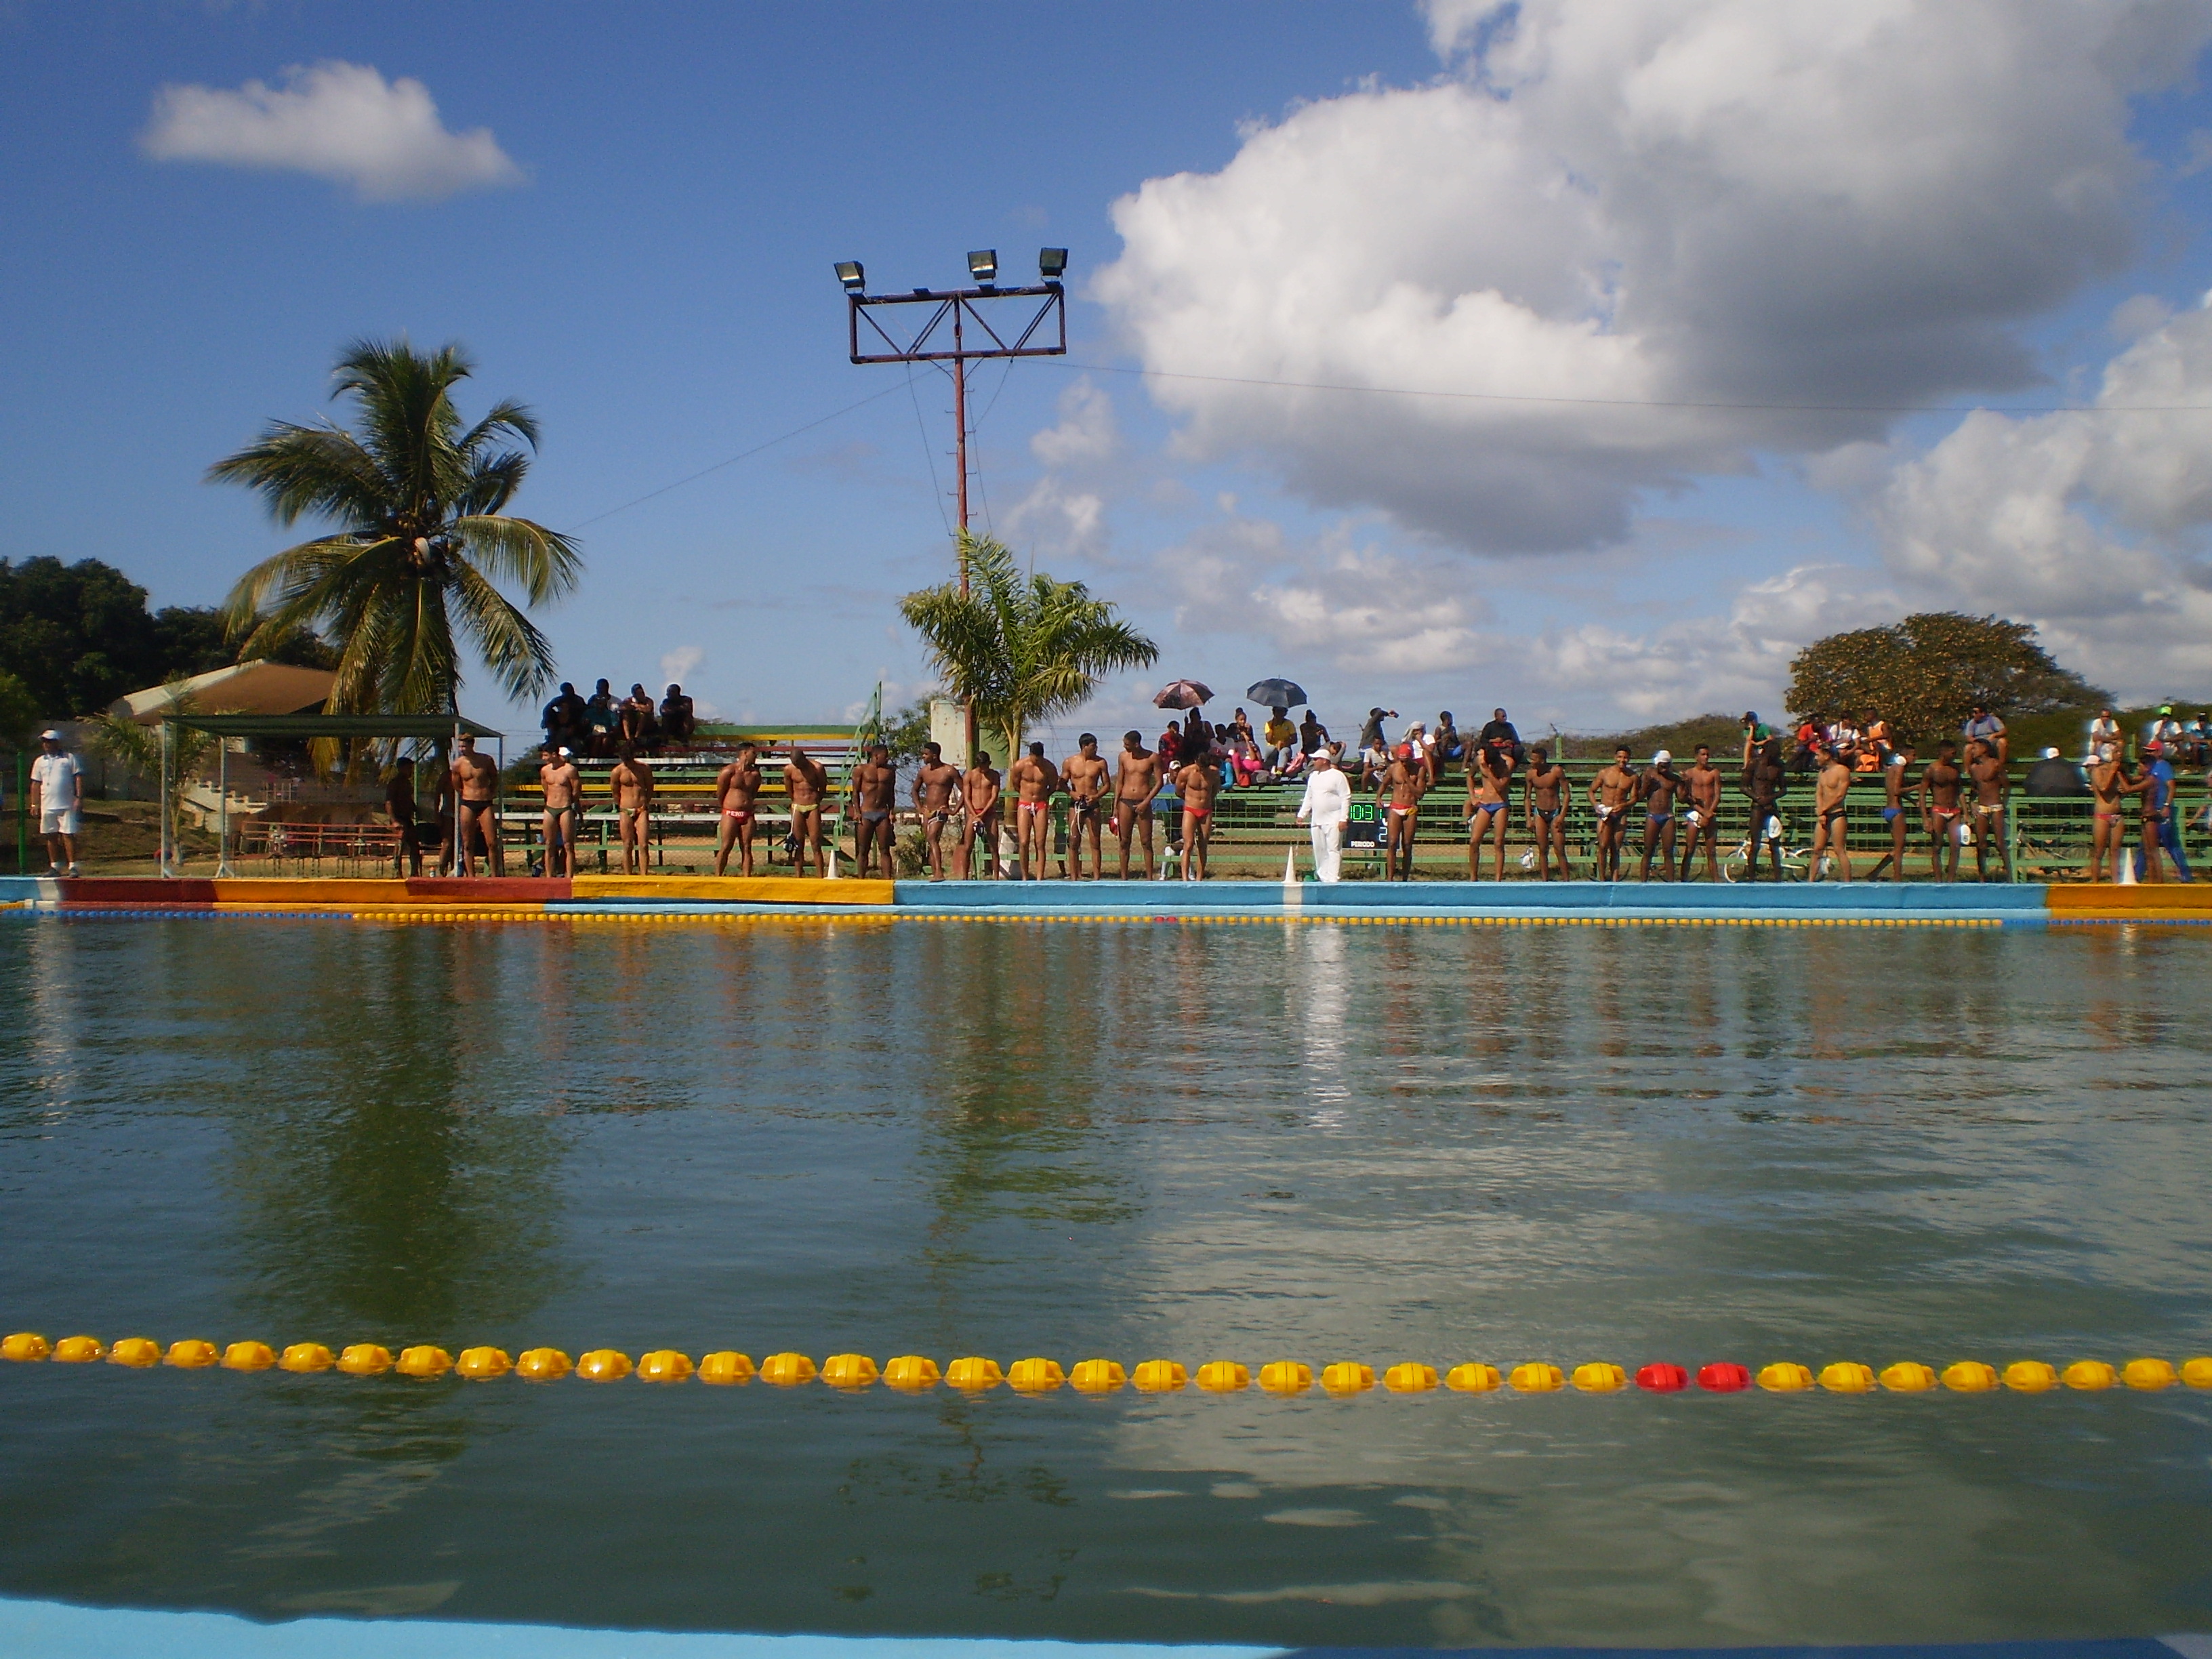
column 1275, row 694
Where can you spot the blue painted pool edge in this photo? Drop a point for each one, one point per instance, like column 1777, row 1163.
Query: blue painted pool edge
column 46, row 1627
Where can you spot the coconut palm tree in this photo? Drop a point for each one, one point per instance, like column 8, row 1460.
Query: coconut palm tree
column 1020, row 649
column 421, row 537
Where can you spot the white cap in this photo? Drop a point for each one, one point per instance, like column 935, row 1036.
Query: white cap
column 1662, row 758
column 50, row 737
column 2051, row 753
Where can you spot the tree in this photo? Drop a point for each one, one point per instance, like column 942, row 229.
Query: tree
column 422, row 540
column 77, row 637
column 1021, row 650
column 1926, row 673
column 19, row 712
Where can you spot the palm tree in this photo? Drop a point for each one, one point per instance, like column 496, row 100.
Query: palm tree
column 421, row 539
column 1020, row 650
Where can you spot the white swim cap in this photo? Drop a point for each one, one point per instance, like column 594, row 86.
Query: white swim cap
column 1661, row 757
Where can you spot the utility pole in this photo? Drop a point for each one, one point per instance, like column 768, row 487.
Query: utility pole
column 1021, row 315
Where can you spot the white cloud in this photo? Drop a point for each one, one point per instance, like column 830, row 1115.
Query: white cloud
column 343, row 122
column 2091, row 525
column 676, row 665
column 1065, row 514
column 1702, row 201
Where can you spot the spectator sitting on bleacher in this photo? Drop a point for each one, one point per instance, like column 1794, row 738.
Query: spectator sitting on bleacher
column 602, row 720
column 1282, row 738
column 677, row 721
column 641, row 721
column 563, row 718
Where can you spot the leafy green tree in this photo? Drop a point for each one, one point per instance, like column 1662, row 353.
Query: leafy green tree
column 1925, row 674
column 19, row 712
column 422, row 538
column 1020, row 648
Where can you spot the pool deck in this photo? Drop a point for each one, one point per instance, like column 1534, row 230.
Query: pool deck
column 46, row 1627
column 1879, row 904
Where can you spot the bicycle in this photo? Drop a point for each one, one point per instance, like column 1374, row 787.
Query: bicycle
column 1735, row 863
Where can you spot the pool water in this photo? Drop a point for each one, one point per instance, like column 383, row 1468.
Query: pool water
column 1315, row 1142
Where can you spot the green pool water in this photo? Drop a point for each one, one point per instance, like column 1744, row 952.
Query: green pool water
column 1312, row 1142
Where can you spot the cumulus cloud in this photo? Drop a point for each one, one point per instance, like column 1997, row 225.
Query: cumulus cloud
column 2093, row 524
column 1639, row 210
column 1065, row 510
column 344, row 122
column 676, row 665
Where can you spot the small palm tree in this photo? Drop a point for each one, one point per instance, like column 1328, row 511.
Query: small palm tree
column 1019, row 649
column 422, row 537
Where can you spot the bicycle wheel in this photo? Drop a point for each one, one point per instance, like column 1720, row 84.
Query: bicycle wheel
column 1734, row 864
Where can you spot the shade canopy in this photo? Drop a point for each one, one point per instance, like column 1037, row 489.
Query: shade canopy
column 1182, row 694
column 421, row 727
column 259, row 687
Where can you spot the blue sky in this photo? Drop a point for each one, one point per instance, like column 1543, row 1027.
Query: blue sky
column 1375, row 190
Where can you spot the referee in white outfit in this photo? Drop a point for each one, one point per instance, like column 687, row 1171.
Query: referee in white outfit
column 1328, row 802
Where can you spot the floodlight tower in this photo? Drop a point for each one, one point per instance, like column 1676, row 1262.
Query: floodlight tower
column 1023, row 314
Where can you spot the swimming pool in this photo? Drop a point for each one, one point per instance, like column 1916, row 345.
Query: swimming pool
column 1252, row 1143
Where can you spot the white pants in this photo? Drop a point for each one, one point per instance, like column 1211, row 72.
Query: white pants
column 1328, row 849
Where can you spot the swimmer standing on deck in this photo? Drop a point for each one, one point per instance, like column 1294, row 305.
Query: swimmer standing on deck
column 564, row 788
column 1398, row 794
column 631, row 782
column 1612, row 793
column 736, row 787
column 1085, row 776
column 809, row 785
column 875, row 790
column 1657, row 788
column 979, row 795
column 933, row 787
column 1032, row 780
column 1197, row 784
column 1136, row 782
column 1701, row 784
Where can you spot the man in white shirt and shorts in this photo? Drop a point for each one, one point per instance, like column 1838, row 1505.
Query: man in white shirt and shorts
column 56, row 792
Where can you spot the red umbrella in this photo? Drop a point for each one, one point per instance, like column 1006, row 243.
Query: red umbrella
column 1182, row 694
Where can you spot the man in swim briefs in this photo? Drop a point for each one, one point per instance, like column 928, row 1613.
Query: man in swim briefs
column 875, row 790
column 564, row 788
column 979, row 798
column 2108, row 834
column 475, row 780
column 933, row 787
column 1198, row 782
column 1086, row 777
column 631, row 782
column 810, row 787
column 399, row 804
column 1489, row 801
column 1897, row 783
column 1701, row 790
column 1657, row 789
column 1764, row 781
column 1831, row 813
column 1940, row 808
column 1548, row 811
column 1398, row 794
column 1612, row 793
column 736, row 787
column 1987, row 770
column 1032, row 779
column 1136, row 781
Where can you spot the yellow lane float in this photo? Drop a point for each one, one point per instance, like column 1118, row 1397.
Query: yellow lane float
column 248, row 1356
column 365, row 1359
column 1909, row 1376
column 912, row 1371
column 1224, row 1377
column 1970, row 1377
column 787, row 1371
column 1286, row 1376
column 603, row 1365
column 725, row 1368
column 1600, row 1377
column 1785, row 1377
column 975, row 1373
column 1536, row 1377
column 1348, row 1377
column 2198, row 1373
column 1161, row 1377
column 1473, row 1379
column 191, row 1355
column 2031, row 1376
column 848, row 1370
column 542, row 1365
column 1847, row 1377
column 136, row 1351
column 78, row 1350
column 306, row 1357
column 1410, row 1377
column 483, row 1364
column 1097, row 1376
column 25, row 1346
column 664, row 1365
column 1035, row 1376
column 423, row 1362
column 2147, row 1374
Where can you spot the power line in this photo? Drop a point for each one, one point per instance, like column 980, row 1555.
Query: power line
column 742, row 455
column 1656, row 403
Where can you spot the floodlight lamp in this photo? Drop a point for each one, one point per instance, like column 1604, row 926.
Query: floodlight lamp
column 853, row 274
column 1052, row 263
column 983, row 264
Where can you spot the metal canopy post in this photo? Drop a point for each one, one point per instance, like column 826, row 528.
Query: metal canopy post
column 223, row 808
column 166, row 870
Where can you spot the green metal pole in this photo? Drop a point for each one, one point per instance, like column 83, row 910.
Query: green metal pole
column 22, row 811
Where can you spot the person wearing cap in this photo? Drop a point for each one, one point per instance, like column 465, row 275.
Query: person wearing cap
column 2165, row 729
column 564, row 788
column 2166, row 827
column 1327, row 804
column 57, row 796
column 1657, row 788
